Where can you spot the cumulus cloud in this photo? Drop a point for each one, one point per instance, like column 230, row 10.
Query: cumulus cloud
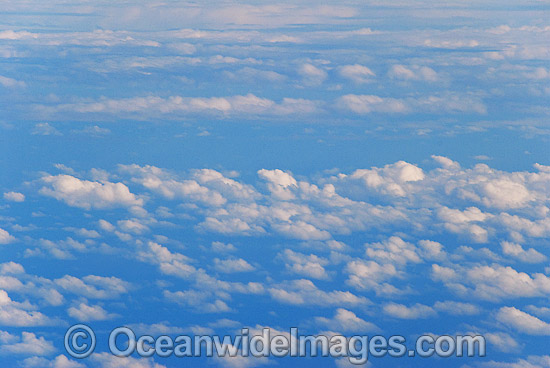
column 305, row 292
column 305, row 265
column 522, row 321
column 494, row 282
column 61, row 361
column 457, row 308
column 232, row 265
column 10, row 82
column 106, row 360
column 240, row 361
column 279, row 183
column 14, row 196
column 11, row 268
column 312, row 75
column 392, row 179
column 346, row 321
column 28, row 344
column 13, row 278
column 88, row 194
column 177, row 106
column 204, row 186
column 84, row 312
column 20, row 314
column 370, row 275
column 202, row 301
column 357, row 73
column 169, row 263
column 253, row 75
column 45, row 129
column 94, row 287
column 502, row 341
column 413, row 73
column 415, row 311
column 393, row 250
column 5, row 237
column 449, row 103
column 516, row 251
column 16, row 35
column 364, row 104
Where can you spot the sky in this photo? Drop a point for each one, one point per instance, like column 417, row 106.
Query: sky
column 352, row 167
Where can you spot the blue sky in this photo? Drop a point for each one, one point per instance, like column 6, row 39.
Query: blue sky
column 188, row 168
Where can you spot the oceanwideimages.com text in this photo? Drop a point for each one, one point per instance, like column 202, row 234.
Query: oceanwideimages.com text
column 80, row 341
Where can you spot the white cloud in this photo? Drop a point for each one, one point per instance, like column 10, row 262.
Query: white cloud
column 5, row 237
column 106, row 360
column 132, row 226
column 431, row 250
column 365, row 104
column 240, row 361
column 88, row 194
column 223, row 247
column 94, row 287
column 85, row 313
column 61, row 361
column 446, row 162
column 253, row 75
column 305, row 265
column 504, row 193
column 304, row 292
column 16, row 35
column 522, row 322
column 95, row 131
column 504, row 282
column 45, row 129
column 413, row 73
column 457, row 308
column 177, row 106
column 279, row 183
column 169, row 263
column 312, row 75
column 20, row 314
column 493, row 283
column 64, row 249
column 345, row 363
column 28, row 344
column 539, row 311
column 161, row 182
column 14, row 196
column 106, row 226
column 11, row 268
column 357, row 73
column 531, row 361
column 415, row 311
column 502, row 341
column 516, row 250
column 10, row 82
column 203, row 301
column 301, row 230
column 232, row 265
column 13, row 278
column 454, row 44
column 346, row 321
column 392, row 179
column 393, row 250
column 443, row 104
column 464, row 222
column 369, row 275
